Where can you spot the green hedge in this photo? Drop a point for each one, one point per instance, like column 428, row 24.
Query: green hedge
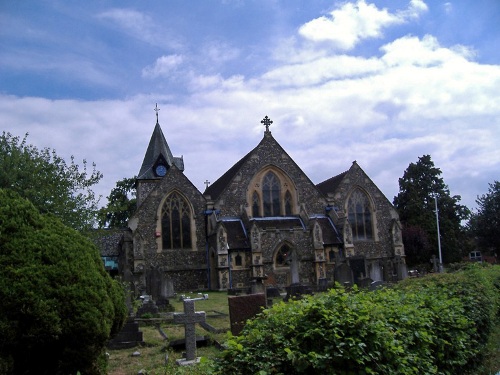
column 434, row 325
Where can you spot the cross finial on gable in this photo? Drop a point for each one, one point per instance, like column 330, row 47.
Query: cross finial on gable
column 207, row 184
column 156, row 110
column 267, row 123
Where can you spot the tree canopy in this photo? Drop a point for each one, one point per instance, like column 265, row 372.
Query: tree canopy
column 121, row 205
column 59, row 306
column 420, row 185
column 485, row 223
column 46, row 180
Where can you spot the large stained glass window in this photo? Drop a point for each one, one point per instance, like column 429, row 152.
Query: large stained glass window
column 176, row 223
column 271, row 190
column 360, row 216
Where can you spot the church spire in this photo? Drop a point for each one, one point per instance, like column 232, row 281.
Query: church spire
column 158, row 154
column 157, row 110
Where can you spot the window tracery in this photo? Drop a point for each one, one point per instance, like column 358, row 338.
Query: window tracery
column 360, row 216
column 176, row 223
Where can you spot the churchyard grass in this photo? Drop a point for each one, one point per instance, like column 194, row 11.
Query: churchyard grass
column 153, row 353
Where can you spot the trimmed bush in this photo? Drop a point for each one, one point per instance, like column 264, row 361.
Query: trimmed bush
column 434, row 325
column 59, row 306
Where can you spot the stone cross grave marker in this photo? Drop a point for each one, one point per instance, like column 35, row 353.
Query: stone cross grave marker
column 189, row 318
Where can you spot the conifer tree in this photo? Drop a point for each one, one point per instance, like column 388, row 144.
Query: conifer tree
column 420, row 185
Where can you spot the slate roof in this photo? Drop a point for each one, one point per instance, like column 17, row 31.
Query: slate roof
column 215, row 189
column 236, row 234
column 331, row 236
column 279, row 222
column 108, row 241
column 330, row 185
column 158, row 146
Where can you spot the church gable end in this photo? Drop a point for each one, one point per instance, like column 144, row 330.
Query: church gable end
column 263, row 222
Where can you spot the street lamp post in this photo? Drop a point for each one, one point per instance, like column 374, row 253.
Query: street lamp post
column 438, row 234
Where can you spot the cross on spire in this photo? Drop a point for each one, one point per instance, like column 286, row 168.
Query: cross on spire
column 156, row 110
column 267, row 123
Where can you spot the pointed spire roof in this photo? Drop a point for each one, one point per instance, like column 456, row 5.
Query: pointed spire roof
column 157, row 152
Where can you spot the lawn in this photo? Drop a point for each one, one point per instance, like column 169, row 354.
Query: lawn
column 156, row 349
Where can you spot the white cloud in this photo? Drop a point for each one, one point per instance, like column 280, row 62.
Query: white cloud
column 346, row 26
column 141, row 26
column 220, row 52
column 163, row 66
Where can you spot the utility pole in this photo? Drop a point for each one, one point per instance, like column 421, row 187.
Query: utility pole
column 438, row 234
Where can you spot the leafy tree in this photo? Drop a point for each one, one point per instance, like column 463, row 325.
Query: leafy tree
column 418, row 187
column 59, row 306
column 485, row 223
column 51, row 184
column 121, row 205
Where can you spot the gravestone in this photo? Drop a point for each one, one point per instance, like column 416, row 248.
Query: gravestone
column 376, row 285
column 148, row 307
column 376, row 272
column 294, row 267
column 242, row 308
column 128, row 337
column 365, row 283
column 343, row 275
column 189, row 318
column 322, row 285
column 297, row 291
column 272, row 292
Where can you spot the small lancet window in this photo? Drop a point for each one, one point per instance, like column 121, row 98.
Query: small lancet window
column 238, row 260
column 176, row 223
column 255, row 204
column 288, row 203
column 360, row 216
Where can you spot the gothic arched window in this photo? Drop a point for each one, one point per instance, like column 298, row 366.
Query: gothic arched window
column 282, row 257
column 176, row 223
column 360, row 215
column 271, row 190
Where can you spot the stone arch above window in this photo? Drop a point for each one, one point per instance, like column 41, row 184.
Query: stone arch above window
column 360, row 215
column 176, row 220
column 271, row 193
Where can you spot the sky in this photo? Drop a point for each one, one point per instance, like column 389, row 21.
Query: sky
column 380, row 82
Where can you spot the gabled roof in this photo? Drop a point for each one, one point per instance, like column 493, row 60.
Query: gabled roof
column 158, row 148
column 236, row 234
column 331, row 235
column 330, row 185
column 215, row 189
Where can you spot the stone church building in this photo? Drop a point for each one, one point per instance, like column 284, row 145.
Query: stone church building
column 263, row 221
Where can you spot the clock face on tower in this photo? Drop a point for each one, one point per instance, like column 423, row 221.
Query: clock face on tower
column 160, row 170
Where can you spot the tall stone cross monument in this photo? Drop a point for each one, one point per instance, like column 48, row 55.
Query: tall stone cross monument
column 189, row 318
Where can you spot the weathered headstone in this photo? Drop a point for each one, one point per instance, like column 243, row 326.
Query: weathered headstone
column 343, row 274
column 189, row 318
column 242, row 308
column 376, row 272
column 297, row 291
column 365, row 282
column 322, row 285
column 128, row 337
column 148, row 307
column 376, row 285
column 272, row 292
